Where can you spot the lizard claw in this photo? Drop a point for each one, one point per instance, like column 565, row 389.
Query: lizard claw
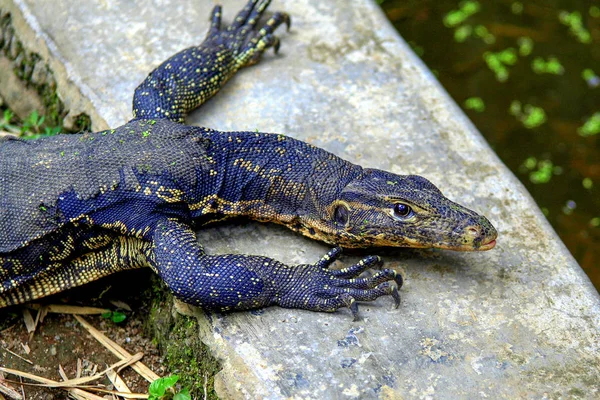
column 318, row 288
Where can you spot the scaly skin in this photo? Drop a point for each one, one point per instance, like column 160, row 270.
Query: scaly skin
column 75, row 208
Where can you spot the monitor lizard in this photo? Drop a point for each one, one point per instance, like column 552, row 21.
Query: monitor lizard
column 74, row 208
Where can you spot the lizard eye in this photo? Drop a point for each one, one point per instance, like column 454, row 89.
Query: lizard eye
column 402, row 211
column 340, row 215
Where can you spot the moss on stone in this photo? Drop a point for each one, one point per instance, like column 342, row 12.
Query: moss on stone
column 31, row 69
column 177, row 337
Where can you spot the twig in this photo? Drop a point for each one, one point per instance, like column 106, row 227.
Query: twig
column 117, row 350
column 16, row 355
column 71, row 382
column 10, row 392
column 66, row 309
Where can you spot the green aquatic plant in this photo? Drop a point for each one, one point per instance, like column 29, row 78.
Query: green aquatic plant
column 590, row 77
column 475, row 104
column 525, row 44
column 540, row 171
column 552, row 66
column 516, row 7
column 462, row 33
column 529, row 115
column 499, row 62
column 591, row 126
column 575, row 23
column 465, row 10
column 485, row 35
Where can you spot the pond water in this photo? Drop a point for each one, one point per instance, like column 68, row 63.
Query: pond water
column 528, row 75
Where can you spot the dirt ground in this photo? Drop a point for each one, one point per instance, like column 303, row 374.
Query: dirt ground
column 61, row 341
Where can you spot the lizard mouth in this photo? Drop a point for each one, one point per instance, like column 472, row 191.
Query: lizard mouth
column 488, row 245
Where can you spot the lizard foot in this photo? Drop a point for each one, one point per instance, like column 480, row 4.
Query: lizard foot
column 324, row 289
column 242, row 37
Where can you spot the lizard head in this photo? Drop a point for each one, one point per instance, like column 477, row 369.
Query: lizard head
column 379, row 208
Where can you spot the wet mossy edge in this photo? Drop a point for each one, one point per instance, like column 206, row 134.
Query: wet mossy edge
column 177, row 337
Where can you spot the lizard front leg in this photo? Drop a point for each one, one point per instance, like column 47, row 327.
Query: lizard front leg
column 241, row 282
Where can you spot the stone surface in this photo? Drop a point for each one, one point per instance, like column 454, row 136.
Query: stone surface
column 521, row 320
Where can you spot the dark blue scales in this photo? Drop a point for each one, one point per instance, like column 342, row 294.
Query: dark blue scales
column 74, row 208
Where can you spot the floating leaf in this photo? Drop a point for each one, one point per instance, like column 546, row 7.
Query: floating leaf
column 525, row 46
column 457, row 17
column 516, row 7
column 475, row 103
column 552, row 66
column 591, row 126
column 575, row 23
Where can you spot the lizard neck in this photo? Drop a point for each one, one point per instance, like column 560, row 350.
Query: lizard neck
column 269, row 178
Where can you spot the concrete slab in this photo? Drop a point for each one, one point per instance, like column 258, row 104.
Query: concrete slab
column 521, row 320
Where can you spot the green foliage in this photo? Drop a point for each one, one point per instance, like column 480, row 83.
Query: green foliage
column 529, row 115
column 575, row 23
column 475, row 104
column 6, row 123
column 587, row 183
column 164, row 389
column 115, row 316
column 590, row 77
column 498, row 62
column 595, row 222
column 457, row 17
column 591, row 126
column 525, row 46
column 540, row 171
column 462, row 33
column 483, row 33
column 516, row 7
column 552, row 66
column 595, row 11
column 31, row 128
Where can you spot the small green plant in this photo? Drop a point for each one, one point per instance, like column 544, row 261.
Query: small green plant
column 164, row 389
column 30, row 128
column 6, row 123
column 115, row 316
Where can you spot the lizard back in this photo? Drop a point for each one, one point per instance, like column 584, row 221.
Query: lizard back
column 36, row 176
